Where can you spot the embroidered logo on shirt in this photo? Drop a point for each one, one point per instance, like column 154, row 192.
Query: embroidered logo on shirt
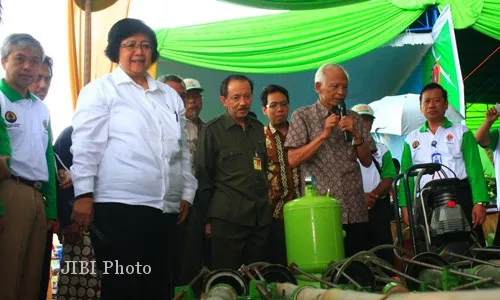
column 415, row 144
column 10, row 117
column 45, row 124
column 450, row 137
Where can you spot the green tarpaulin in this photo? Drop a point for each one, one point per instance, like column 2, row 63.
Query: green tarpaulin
column 289, row 42
column 482, row 15
column 303, row 40
column 293, row 4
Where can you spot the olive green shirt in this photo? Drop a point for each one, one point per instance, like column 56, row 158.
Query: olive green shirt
column 231, row 165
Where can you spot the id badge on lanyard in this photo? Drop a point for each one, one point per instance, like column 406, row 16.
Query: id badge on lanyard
column 436, row 156
column 257, row 162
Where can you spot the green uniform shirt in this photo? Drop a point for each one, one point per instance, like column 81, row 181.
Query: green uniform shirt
column 231, row 168
column 48, row 189
column 494, row 134
column 464, row 157
column 388, row 169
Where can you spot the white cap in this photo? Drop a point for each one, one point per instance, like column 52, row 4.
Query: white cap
column 363, row 109
column 192, row 84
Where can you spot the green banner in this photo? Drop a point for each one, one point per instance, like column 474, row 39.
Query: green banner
column 441, row 64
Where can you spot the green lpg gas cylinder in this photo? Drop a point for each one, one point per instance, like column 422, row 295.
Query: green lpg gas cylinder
column 313, row 230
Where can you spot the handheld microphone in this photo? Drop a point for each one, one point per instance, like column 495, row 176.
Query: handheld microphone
column 343, row 112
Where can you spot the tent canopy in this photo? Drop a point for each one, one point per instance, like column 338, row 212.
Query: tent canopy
column 482, row 15
column 303, row 40
column 289, row 42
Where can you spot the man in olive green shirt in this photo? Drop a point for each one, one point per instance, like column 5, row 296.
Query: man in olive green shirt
column 231, row 165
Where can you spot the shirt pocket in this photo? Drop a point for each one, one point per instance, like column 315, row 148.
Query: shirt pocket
column 455, row 150
column 232, row 160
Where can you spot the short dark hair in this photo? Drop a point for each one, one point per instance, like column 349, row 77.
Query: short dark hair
column 396, row 163
column 434, row 86
column 272, row 88
column 171, row 77
column 125, row 28
column 49, row 62
column 225, row 83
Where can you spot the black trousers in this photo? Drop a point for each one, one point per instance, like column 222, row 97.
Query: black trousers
column 44, row 280
column 277, row 244
column 379, row 228
column 132, row 250
column 234, row 245
column 188, row 261
column 356, row 238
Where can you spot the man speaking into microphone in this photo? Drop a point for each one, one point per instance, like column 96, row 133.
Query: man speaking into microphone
column 326, row 141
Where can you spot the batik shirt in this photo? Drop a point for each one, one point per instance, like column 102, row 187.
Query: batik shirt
column 284, row 181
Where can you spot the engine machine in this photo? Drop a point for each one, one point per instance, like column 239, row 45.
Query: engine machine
column 437, row 222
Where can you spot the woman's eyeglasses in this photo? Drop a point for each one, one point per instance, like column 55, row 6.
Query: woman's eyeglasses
column 134, row 45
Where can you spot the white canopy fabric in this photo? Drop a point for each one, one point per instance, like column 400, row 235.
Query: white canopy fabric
column 400, row 115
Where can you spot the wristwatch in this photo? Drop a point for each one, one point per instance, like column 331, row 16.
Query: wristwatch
column 359, row 144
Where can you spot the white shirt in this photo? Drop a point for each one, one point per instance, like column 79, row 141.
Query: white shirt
column 446, row 142
column 371, row 176
column 130, row 144
column 27, row 122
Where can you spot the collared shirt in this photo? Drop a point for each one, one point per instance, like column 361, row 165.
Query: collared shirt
column 284, row 181
column 371, row 175
column 26, row 136
column 456, row 148
column 231, row 164
column 335, row 164
column 494, row 146
column 130, row 144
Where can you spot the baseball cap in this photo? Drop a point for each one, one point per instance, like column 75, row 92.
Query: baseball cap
column 192, row 84
column 363, row 109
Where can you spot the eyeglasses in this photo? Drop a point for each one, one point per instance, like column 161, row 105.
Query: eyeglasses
column 275, row 105
column 133, row 45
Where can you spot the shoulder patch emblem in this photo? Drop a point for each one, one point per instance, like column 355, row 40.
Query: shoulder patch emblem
column 415, row 144
column 10, row 117
column 45, row 124
column 450, row 137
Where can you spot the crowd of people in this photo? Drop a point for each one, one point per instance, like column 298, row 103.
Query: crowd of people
column 145, row 188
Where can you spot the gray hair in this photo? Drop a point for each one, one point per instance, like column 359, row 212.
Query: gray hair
column 20, row 41
column 171, row 77
column 320, row 74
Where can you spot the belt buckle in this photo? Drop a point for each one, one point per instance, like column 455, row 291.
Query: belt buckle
column 37, row 185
